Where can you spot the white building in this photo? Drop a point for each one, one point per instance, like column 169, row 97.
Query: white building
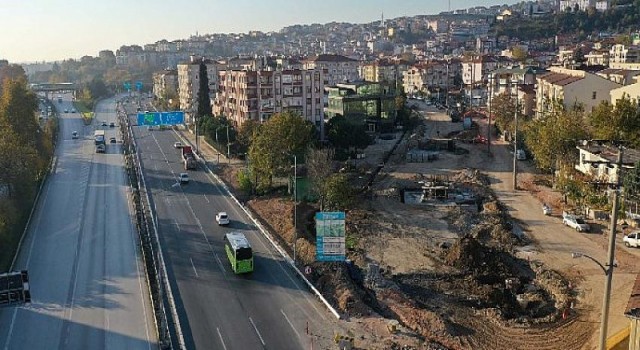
column 189, row 84
column 599, row 160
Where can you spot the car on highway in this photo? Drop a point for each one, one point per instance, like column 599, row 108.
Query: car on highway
column 184, row 178
column 66, row 110
column 632, row 239
column 222, row 218
column 521, row 155
column 576, row 223
column 177, row 145
column 73, row 110
column 104, row 124
column 112, row 140
column 74, row 135
column 112, row 124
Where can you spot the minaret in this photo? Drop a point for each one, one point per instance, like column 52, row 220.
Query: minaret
column 382, row 20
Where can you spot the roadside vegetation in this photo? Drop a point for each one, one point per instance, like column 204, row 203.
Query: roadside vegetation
column 26, row 148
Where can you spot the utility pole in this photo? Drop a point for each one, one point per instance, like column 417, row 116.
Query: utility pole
column 489, row 123
column 228, row 144
column 515, row 145
column 610, row 255
column 295, row 207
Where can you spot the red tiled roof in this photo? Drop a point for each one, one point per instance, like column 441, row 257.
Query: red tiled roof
column 633, row 306
column 560, row 79
column 330, row 58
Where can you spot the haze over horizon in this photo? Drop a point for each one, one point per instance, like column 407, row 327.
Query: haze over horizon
column 40, row 30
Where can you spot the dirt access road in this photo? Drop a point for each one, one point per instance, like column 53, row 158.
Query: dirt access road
column 554, row 242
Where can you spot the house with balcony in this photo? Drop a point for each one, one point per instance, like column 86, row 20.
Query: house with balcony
column 516, row 82
column 599, row 160
column 165, row 83
column 336, row 68
column 258, row 94
column 571, row 88
column 371, row 103
column 189, row 84
column 430, row 78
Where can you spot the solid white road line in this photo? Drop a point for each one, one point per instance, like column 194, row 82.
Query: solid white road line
column 290, row 324
column 257, row 331
column 221, row 340
column 194, row 267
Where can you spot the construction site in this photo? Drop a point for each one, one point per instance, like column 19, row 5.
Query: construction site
column 435, row 260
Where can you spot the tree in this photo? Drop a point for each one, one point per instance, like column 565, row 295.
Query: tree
column 578, row 56
column 552, row 138
column 18, row 108
column 503, row 108
column 519, row 54
column 319, row 167
column 620, row 122
column 247, row 132
column 204, row 101
column 340, row 194
column 345, row 134
column 277, row 141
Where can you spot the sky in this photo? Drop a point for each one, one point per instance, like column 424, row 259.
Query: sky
column 48, row 30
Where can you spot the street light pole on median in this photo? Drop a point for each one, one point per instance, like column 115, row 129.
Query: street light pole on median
column 295, row 207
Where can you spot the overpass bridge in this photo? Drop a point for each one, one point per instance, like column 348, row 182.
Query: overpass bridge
column 47, row 88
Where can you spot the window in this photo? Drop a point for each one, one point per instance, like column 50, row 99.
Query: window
column 593, row 95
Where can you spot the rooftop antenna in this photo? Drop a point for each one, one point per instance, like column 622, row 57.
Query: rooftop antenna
column 449, row 5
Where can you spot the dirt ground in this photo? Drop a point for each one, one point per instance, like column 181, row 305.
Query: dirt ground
column 476, row 270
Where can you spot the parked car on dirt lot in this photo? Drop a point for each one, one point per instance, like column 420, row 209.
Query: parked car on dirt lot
column 576, row 223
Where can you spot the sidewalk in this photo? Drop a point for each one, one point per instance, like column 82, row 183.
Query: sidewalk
column 210, row 155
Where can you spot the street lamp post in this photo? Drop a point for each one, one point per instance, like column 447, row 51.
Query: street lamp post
column 515, row 144
column 489, row 122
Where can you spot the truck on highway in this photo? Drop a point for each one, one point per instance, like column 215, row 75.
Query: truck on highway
column 188, row 158
column 99, row 141
column 59, row 98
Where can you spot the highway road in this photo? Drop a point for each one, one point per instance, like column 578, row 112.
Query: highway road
column 268, row 309
column 89, row 290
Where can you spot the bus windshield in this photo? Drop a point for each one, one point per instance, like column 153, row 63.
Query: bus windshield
column 243, row 253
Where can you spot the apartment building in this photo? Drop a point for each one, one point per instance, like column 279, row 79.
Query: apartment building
column 258, row 94
column 620, row 76
column 189, row 84
column 430, row 76
column 631, row 91
column 599, row 160
column 384, row 70
column 583, row 5
column 624, row 54
column 336, row 68
column 597, row 58
column 474, row 72
column 571, row 87
column 165, row 83
column 516, row 82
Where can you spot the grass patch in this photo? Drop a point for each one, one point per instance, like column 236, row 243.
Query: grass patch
column 85, row 110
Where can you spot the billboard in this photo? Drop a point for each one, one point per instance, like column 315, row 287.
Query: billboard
column 330, row 236
column 161, row 118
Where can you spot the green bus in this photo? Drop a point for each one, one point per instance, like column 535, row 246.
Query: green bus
column 239, row 252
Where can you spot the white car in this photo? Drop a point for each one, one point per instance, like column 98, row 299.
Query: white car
column 74, row 135
column 576, row 223
column 184, row 178
column 222, row 218
column 520, row 155
column 177, row 145
column 632, row 239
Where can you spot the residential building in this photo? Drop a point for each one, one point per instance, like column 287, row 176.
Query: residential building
column 597, row 58
column 189, row 84
column 620, row 76
column 584, row 5
column 431, row 76
column 570, row 88
column 516, row 82
column 372, row 103
column 165, row 83
column 620, row 53
column 599, row 160
column 474, row 72
column 337, row 68
column 258, row 94
column 631, row 91
column 383, row 70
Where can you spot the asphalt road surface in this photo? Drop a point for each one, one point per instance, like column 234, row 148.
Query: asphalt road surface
column 267, row 309
column 88, row 285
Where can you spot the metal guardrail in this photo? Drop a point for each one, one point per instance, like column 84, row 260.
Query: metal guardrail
column 160, row 288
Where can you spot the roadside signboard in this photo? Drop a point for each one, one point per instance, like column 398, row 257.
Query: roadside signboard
column 161, row 118
column 127, row 86
column 330, row 236
column 138, row 86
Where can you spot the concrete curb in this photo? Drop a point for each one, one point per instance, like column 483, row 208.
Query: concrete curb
column 264, row 232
